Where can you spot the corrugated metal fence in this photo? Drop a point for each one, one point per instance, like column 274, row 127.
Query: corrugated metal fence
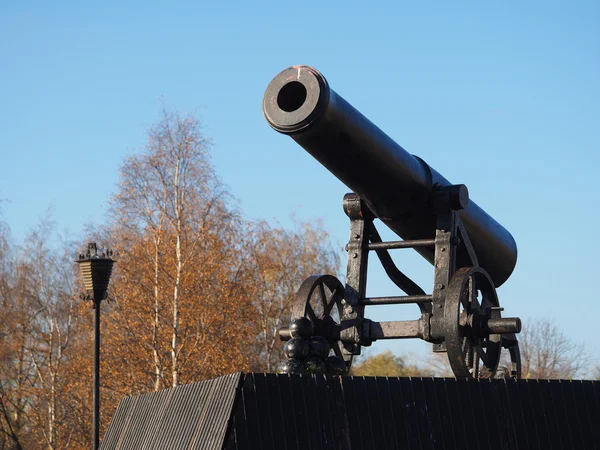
column 268, row 411
column 192, row 416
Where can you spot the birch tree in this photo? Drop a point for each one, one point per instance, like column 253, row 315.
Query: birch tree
column 178, row 238
column 49, row 277
column 36, row 287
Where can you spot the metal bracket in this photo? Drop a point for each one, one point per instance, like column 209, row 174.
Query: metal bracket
column 361, row 220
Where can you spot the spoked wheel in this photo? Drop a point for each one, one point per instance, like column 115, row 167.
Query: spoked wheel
column 471, row 300
column 320, row 300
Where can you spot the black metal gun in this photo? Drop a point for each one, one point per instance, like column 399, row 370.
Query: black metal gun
column 472, row 254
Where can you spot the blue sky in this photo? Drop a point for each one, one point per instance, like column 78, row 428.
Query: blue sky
column 502, row 97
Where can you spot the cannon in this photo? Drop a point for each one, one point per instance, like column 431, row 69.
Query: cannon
column 471, row 253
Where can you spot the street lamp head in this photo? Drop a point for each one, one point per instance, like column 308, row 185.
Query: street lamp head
column 95, row 266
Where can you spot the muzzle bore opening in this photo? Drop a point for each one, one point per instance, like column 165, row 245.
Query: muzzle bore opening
column 291, row 96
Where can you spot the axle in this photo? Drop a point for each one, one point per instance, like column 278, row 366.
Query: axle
column 368, row 331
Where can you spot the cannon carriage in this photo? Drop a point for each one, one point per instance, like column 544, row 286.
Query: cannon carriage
column 471, row 253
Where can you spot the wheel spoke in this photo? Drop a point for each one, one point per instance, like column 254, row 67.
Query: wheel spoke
column 465, row 302
column 486, row 301
column 337, row 350
column 476, row 362
column 330, row 306
column 311, row 313
column 323, row 297
column 472, row 290
column 331, row 302
column 473, row 293
column 484, row 358
column 468, row 353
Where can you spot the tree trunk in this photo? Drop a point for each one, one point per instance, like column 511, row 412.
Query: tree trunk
column 157, row 367
column 179, row 267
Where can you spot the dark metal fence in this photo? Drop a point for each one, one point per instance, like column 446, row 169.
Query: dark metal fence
column 281, row 412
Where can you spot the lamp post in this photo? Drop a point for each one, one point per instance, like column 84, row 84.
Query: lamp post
column 95, row 269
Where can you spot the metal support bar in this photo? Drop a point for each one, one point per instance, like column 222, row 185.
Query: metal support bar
column 96, row 412
column 361, row 223
column 466, row 243
column 397, row 300
column 402, row 244
column 403, row 329
column 444, row 267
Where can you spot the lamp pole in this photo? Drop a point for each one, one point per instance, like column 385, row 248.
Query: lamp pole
column 95, row 267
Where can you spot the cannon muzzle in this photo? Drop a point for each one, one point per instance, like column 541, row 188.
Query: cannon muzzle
column 396, row 185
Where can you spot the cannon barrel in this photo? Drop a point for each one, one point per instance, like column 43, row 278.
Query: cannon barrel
column 396, row 185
